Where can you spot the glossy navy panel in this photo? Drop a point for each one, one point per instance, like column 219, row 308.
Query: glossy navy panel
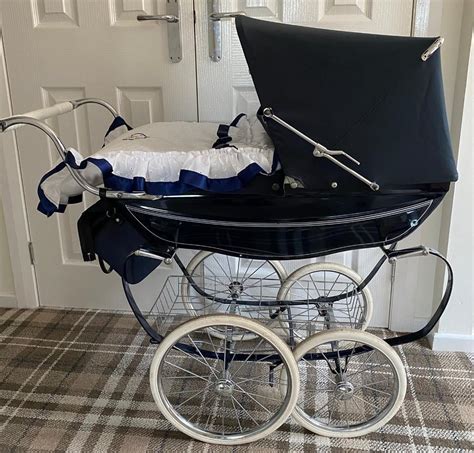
column 284, row 236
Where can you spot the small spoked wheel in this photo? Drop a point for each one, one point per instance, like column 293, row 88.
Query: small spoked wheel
column 220, row 282
column 328, row 298
column 224, row 391
column 352, row 383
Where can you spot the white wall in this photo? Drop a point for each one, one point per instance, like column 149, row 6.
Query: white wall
column 456, row 328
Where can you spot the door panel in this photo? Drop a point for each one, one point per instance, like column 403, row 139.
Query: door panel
column 226, row 89
column 61, row 50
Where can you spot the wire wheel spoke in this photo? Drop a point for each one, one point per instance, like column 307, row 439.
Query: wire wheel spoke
column 235, row 279
column 236, row 396
column 347, row 391
column 330, row 298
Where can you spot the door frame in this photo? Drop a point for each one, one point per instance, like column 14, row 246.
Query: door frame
column 14, row 206
column 426, row 20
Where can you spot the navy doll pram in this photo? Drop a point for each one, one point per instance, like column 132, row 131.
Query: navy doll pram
column 242, row 345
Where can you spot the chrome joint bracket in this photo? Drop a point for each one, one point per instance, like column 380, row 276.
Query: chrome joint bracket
column 432, row 49
column 321, row 150
column 423, row 251
column 147, row 254
column 119, row 195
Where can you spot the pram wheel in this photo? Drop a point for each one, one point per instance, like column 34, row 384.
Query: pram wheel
column 232, row 278
column 345, row 392
column 316, row 281
column 234, row 398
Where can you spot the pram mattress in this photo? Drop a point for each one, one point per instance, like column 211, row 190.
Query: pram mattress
column 163, row 159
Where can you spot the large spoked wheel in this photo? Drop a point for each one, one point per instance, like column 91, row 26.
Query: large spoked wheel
column 311, row 284
column 234, row 279
column 344, row 393
column 225, row 392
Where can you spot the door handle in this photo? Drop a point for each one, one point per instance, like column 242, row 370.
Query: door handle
column 214, row 28
column 174, row 28
column 170, row 18
column 231, row 15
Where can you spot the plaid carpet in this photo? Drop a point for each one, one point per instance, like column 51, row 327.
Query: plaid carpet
column 78, row 381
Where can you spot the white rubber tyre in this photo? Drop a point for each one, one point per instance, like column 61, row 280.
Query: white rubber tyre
column 203, row 323
column 194, row 311
column 349, row 274
column 346, row 336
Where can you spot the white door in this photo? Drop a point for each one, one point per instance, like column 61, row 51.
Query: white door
column 68, row 49
column 226, row 89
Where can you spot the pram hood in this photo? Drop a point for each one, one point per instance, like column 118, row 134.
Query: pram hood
column 369, row 95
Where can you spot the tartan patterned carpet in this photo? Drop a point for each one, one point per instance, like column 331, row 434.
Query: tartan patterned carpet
column 73, row 380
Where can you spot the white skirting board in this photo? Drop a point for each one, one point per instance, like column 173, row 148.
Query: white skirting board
column 451, row 342
column 8, row 301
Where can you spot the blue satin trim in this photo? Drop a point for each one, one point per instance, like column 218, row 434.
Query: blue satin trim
column 188, row 180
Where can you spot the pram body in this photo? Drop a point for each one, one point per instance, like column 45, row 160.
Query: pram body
column 316, row 204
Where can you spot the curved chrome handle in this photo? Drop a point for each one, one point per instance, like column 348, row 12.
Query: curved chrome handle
column 214, row 27
column 170, row 18
column 229, row 15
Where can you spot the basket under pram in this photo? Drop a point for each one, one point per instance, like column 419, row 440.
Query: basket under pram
column 242, row 344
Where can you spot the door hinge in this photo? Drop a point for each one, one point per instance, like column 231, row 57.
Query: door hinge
column 32, row 253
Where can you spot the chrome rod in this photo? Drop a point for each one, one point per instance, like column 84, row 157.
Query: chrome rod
column 7, row 123
column 25, row 120
column 119, row 195
column 147, row 254
column 321, row 150
column 373, row 185
column 78, row 102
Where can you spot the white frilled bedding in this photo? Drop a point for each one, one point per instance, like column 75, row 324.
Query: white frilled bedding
column 165, row 159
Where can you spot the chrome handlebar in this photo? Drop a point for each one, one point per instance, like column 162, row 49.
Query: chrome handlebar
column 35, row 118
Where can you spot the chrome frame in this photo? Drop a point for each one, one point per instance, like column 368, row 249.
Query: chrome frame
column 321, row 150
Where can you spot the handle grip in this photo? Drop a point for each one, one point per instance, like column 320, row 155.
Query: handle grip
column 40, row 114
column 48, row 112
column 15, row 121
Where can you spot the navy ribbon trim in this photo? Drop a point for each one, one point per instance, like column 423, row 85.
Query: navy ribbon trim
column 188, row 180
column 223, row 133
column 116, row 123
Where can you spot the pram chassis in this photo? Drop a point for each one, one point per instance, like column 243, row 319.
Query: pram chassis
column 274, row 309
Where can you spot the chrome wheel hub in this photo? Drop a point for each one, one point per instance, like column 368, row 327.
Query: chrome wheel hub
column 224, row 387
column 236, row 288
column 344, row 390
